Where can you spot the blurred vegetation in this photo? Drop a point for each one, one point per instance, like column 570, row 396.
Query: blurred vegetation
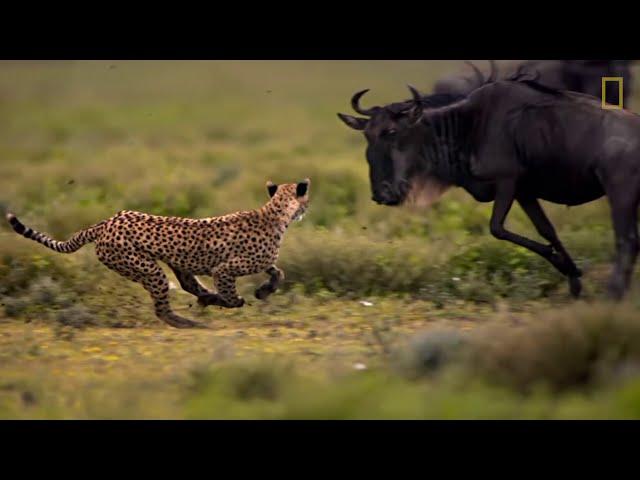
column 80, row 141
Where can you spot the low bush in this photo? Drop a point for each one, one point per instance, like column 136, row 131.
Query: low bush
column 577, row 348
column 569, row 348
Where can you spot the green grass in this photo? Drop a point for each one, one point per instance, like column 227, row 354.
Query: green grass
column 80, row 141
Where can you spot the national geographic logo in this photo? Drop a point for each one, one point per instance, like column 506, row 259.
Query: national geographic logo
column 611, row 106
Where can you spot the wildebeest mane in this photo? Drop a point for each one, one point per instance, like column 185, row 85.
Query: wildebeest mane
column 524, row 75
column 428, row 101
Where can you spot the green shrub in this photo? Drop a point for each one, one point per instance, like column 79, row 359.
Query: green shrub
column 578, row 347
column 498, row 269
column 430, row 352
column 352, row 264
column 76, row 316
column 349, row 265
column 262, row 389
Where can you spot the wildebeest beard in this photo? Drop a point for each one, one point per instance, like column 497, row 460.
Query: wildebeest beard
column 424, row 191
column 422, row 187
column 416, row 188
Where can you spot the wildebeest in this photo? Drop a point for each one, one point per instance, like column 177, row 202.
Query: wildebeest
column 512, row 140
column 584, row 76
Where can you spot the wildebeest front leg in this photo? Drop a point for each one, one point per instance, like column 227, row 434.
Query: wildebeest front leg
column 561, row 260
column 275, row 277
column 505, row 195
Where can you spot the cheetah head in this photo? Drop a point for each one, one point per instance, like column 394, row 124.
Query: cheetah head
column 291, row 198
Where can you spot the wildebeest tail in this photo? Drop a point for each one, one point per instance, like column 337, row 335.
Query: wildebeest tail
column 79, row 239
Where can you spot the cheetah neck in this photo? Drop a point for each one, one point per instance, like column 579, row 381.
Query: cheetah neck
column 275, row 215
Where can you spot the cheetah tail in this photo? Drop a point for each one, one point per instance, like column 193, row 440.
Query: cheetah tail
column 79, row 239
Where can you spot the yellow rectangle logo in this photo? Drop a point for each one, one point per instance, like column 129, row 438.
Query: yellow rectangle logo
column 606, row 105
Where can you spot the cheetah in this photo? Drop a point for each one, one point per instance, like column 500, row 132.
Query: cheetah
column 226, row 247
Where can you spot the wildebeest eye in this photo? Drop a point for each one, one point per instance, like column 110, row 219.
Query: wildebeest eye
column 388, row 133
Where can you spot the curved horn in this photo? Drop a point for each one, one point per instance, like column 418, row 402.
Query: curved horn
column 479, row 75
column 416, row 112
column 417, row 98
column 354, row 103
column 494, row 72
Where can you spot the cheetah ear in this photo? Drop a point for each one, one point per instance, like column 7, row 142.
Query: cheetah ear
column 272, row 188
column 302, row 187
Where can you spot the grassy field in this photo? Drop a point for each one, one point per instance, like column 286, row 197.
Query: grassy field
column 385, row 313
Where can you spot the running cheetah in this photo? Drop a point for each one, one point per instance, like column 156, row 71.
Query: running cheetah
column 226, row 247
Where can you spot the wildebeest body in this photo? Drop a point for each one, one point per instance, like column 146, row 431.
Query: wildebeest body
column 560, row 148
column 567, row 152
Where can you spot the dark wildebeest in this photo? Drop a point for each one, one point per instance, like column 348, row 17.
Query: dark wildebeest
column 513, row 140
column 584, row 76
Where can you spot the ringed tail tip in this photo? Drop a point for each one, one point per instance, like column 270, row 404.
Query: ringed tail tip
column 15, row 223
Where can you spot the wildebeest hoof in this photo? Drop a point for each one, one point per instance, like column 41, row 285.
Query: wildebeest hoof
column 575, row 286
column 547, row 251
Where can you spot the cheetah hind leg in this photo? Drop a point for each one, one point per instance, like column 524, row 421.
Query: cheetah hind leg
column 275, row 278
column 156, row 283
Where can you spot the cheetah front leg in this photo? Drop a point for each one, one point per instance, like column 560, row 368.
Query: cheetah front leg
column 225, row 283
column 275, row 278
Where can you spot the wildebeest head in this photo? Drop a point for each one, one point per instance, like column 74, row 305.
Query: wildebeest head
column 395, row 139
column 392, row 142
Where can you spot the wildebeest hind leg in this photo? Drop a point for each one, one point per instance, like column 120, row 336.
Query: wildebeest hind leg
column 561, row 260
column 625, row 225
